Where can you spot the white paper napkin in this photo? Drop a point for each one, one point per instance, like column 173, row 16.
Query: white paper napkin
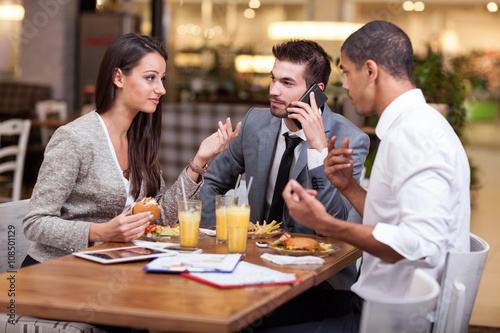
column 291, row 260
column 160, row 245
column 208, row 232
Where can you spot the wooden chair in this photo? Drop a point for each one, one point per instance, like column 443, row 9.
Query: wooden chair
column 410, row 315
column 460, row 282
column 50, row 110
column 11, row 227
column 12, row 156
column 31, row 324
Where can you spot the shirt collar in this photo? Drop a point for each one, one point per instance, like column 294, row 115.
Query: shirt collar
column 285, row 129
column 396, row 108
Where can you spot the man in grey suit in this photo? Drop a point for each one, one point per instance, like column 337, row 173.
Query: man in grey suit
column 258, row 150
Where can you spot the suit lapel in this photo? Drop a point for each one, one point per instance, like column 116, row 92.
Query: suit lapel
column 327, row 121
column 302, row 161
column 266, row 143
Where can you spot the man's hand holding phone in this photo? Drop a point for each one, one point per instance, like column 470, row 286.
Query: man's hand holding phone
column 306, row 115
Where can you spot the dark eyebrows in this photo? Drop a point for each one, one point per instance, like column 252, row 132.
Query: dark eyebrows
column 289, row 79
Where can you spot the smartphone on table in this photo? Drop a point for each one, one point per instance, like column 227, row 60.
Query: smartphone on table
column 319, row 95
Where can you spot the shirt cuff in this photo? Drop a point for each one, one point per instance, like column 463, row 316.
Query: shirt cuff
column 316, row 158
column 402, row 240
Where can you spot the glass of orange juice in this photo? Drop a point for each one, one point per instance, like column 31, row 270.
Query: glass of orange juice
column 237, row 228
column 221, row 203
column 189, row 222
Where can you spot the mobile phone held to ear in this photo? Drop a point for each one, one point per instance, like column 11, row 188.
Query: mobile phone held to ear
column 319, row 95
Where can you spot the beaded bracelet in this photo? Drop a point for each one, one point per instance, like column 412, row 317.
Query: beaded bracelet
column 196, row 168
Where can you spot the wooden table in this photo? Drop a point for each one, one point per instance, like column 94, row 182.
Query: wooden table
column 75, row 289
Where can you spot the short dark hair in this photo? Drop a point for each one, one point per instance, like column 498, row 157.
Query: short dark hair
column 384, row 43
column 144, row 133
column 301, row 51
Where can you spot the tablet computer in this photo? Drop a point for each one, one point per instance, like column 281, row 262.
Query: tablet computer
column 124, row 254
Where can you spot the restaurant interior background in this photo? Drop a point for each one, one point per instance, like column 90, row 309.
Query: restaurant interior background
column 220, row 54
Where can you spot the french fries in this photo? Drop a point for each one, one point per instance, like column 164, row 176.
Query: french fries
column 325, row 247
column 266, row 228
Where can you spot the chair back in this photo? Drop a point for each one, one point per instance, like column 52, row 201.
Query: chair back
column 11, row 228
column 411, row 314
column 12, row 155
column 461, row 276
column 50, row 110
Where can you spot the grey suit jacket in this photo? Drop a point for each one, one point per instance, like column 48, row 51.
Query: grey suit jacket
column 79, row 184
column 252, row 153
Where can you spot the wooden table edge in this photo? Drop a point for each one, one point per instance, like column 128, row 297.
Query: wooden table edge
column 206, row 323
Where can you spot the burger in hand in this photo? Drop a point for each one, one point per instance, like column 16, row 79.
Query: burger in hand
column 147, row 205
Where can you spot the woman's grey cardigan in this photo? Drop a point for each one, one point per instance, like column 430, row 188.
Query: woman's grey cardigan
column 79, row 184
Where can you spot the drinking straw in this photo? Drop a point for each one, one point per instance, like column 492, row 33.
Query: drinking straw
column 184, row 193
column 236, row 187
column 248, row 189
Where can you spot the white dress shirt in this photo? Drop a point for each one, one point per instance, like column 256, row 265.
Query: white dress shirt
column 314, row 159
column 418, row 197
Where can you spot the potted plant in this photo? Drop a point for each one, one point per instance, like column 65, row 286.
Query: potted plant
column 443, row 86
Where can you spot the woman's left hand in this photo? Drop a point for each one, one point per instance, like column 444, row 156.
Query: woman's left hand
column 216, row 142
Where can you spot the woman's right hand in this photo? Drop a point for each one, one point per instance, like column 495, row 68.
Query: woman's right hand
column 213, row 145
column 217, row 142
column 123, row 228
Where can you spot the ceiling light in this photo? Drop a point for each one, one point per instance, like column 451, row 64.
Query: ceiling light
column 249, row 13
column 316, row 30
column 11, row 12
column 492, row 7
column 408, row 6
column 182, row 30
column 188, row 60
column 193, row 29
column 254, row 64
column 218, row 30
column 209, row 33
column 419, row 6
column 189, row 29
column 254, row 4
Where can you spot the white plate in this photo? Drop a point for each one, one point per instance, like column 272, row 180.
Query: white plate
column 305, row 252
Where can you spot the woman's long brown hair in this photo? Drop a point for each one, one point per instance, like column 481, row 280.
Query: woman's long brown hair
column 144, row 133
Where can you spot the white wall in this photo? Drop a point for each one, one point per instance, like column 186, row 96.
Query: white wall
column 48, row 46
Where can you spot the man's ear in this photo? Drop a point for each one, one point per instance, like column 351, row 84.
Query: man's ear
column 118, row 77
column 321, row 86
column 372, row 69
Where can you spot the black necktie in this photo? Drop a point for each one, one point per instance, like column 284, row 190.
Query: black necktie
column 276, row 210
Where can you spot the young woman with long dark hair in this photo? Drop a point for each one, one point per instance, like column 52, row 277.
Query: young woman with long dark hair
column 95, row 167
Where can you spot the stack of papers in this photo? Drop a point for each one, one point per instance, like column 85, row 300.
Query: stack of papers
column 245, row 274
column 221, row 270
column 185, row 262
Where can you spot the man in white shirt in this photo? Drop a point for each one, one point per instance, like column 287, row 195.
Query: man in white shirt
column 417, row 207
